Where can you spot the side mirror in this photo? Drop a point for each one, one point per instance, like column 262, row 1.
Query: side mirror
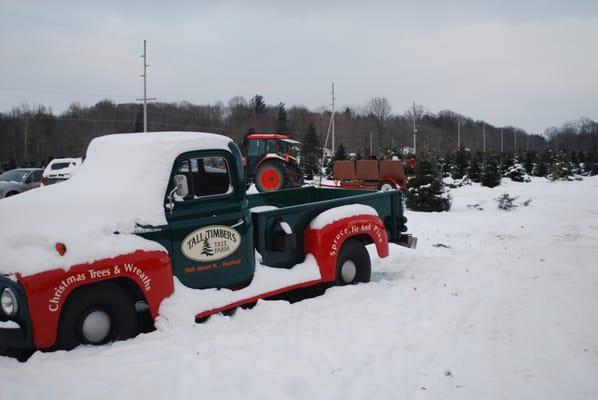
column 181, row 185
column 181, row 189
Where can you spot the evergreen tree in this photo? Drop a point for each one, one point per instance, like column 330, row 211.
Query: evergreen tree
column 339, row 154
column 528, row 161
column 257, row 104
column 541, row 164
column 475, row 170
column 310, row 152
column 560, row 169
column 461, row 164
column 426, row 192
column 507, row 161
column 282, row 121
column 447, row 164
column 491, row 175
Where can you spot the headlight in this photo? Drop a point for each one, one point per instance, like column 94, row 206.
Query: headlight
column 8, row 299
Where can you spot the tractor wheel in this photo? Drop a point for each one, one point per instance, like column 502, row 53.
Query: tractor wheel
column 353, row 263
column 271, row 176
column 295, row 175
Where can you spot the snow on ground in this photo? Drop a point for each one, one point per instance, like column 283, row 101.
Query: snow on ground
column 507, row 310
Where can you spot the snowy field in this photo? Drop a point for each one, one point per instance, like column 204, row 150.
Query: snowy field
column 491, row 305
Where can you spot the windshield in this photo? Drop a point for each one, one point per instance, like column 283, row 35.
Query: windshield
column 61, row 165
column 15, row 175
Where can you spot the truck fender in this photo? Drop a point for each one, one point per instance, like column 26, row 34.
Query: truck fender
column 147, row 273
column 325, row 243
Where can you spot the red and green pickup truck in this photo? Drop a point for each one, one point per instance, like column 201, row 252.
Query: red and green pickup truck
column 148, row 213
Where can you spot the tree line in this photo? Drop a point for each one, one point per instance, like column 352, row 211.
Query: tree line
column 32, row 135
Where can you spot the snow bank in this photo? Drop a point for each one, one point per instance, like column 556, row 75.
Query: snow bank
column 122, row 183
column 507, row 310
column 338, row 213
column 181, row 308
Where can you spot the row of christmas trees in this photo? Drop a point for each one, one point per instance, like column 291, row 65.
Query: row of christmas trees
column 427, row 192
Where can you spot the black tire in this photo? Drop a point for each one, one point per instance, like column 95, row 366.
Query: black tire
column 295, row 175
column 104, row 299
column 271, row 176
column 353, row 251
column 9, row 194
column 386, row 185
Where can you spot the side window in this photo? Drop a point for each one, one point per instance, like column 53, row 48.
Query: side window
column 206, row 176
column 256, row 148
column 37, row 176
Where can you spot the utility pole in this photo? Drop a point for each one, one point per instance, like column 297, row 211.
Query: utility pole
column 330, row 131
column 332, row 117
column 371, row 145
column 501, row 140
column 458, row 134
column 414, row 131
column 144, row 76
column 484, row 136
column 514, row 140
column 26, row 141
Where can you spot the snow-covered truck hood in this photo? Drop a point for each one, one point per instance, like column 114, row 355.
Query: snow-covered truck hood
column 120, row 186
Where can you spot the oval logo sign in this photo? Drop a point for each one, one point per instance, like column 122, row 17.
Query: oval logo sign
column 211, row 243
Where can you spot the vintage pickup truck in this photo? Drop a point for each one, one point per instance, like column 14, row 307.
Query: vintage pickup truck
column 148, row 213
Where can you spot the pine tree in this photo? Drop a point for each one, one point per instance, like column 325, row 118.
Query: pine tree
column 447, row 164
column 426, row 192
column 560, row 168
column 528, row 161
column 491, row 175
column 339, row 154
column 475, row 170
column 282, row 121
column 507, row 161
column 461, row 164
column 541, row 167
column 257, row 104
column 310, row 152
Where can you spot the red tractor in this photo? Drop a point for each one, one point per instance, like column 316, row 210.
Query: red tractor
column 271, row 160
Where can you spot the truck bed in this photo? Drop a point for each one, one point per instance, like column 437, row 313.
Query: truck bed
column 297, row 207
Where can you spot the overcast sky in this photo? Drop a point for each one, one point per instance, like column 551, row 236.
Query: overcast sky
column 531, row 64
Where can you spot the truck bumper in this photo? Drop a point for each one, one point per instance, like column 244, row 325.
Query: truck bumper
column 408, row 241
column 14, row 338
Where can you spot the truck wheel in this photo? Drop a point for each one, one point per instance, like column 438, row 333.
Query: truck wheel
column 386, row 186
column 353, row 263
column 271, row 176
column 97, row 315
column 9, row 194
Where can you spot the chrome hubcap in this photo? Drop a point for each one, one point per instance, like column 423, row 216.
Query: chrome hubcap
column 96, row 326
column 348, row 271
column 386, row 187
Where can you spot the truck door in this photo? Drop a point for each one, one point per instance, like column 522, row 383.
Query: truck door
column 210, row 227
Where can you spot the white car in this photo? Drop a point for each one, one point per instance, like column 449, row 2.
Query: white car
column 60, row 169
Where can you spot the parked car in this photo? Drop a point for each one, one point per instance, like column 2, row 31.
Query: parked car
column 19, row 180
column 60, row 169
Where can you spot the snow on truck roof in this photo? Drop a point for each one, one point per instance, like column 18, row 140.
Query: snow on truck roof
column 122, row 183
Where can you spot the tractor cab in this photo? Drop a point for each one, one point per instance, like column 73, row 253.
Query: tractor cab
column 271, row 160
